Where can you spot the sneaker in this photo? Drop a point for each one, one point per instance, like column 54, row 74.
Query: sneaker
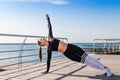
column 107, row 72
column 104, row 73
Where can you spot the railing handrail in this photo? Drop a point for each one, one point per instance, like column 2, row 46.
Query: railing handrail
column 109, row 45
column 117, row 39
column 17, row 50
column 17, row 35
column 20, row 62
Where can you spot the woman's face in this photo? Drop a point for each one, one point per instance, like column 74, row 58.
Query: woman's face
column 42, row 42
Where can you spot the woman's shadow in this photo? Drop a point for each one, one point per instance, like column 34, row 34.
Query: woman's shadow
column 99, row 77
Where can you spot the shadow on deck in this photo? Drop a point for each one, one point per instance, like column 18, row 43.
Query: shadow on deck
column 65, row 69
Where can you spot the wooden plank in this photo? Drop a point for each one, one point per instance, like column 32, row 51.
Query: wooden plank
column 65, row 69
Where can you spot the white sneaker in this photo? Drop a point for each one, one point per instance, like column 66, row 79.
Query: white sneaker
column 107, row 72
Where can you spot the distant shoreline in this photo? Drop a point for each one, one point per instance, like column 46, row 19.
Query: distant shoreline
column 36, row 43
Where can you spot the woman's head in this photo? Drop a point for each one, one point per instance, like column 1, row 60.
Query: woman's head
column 42, row 42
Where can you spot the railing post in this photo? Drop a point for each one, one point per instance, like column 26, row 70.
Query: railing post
column 94, row 47
column 20, row 54
column 105, row 47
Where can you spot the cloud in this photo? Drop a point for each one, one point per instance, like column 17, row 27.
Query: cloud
column 57, row 2
column 20, row 0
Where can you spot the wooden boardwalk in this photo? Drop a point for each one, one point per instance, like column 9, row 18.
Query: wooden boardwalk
column 65, row 69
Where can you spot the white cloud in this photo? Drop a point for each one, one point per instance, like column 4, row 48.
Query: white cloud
column 20, row 0
column 57, row 2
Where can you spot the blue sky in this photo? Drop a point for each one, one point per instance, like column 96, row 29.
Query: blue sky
column 78, row 20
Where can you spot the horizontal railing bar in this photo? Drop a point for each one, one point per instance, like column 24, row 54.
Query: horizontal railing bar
column 56, row 56
column 18, row 63
column 24, row 62
column 18, row 50
column 25, row 56
column 107, row 39
column 17, row 44
column 17, row 35
column 18, row 57
column 30, row 61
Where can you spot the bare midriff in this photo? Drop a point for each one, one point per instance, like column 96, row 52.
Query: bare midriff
column 62, row 47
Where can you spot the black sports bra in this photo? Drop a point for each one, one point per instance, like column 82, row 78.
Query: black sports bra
column 53, row 45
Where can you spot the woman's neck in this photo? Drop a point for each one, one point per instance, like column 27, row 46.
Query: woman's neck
column 46, row 43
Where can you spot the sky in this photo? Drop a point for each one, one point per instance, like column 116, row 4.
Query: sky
column 78, row 20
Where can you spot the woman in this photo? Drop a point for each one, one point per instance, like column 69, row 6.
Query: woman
column 71, row 51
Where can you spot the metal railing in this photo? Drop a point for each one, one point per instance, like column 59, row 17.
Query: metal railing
column 109, row 46
column 21, row 50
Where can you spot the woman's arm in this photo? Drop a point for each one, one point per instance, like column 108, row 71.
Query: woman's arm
column 48, row 61
column 50, row 35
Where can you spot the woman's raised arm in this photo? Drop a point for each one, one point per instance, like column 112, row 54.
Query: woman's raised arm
column 50, row 35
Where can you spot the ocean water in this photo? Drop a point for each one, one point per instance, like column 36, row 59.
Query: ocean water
column 5, row 48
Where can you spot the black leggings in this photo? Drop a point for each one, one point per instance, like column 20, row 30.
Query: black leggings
column 75, row 53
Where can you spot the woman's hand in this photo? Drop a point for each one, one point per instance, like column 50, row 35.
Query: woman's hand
column 47, row 16
column 44, row 73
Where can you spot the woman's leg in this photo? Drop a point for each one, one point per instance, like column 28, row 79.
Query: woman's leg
column 92, row 62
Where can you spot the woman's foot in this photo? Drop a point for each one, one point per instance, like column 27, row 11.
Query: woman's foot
column 107, row 72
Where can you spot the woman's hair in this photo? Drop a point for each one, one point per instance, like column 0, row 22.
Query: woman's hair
column 40, row 51
column 40, row 54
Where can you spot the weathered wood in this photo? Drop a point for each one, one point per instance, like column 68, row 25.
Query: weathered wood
column 65, row 69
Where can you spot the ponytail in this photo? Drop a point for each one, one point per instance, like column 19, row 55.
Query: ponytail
column 40, row 51
column 40, row 54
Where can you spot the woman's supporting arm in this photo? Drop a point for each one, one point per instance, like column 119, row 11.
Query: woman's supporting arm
column 48, row 60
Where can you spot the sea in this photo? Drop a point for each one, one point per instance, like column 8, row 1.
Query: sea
column 29, row 52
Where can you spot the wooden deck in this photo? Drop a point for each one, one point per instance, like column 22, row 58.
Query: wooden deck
column 65, row 69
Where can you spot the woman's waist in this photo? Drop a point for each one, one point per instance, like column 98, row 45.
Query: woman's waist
column 62, row 47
